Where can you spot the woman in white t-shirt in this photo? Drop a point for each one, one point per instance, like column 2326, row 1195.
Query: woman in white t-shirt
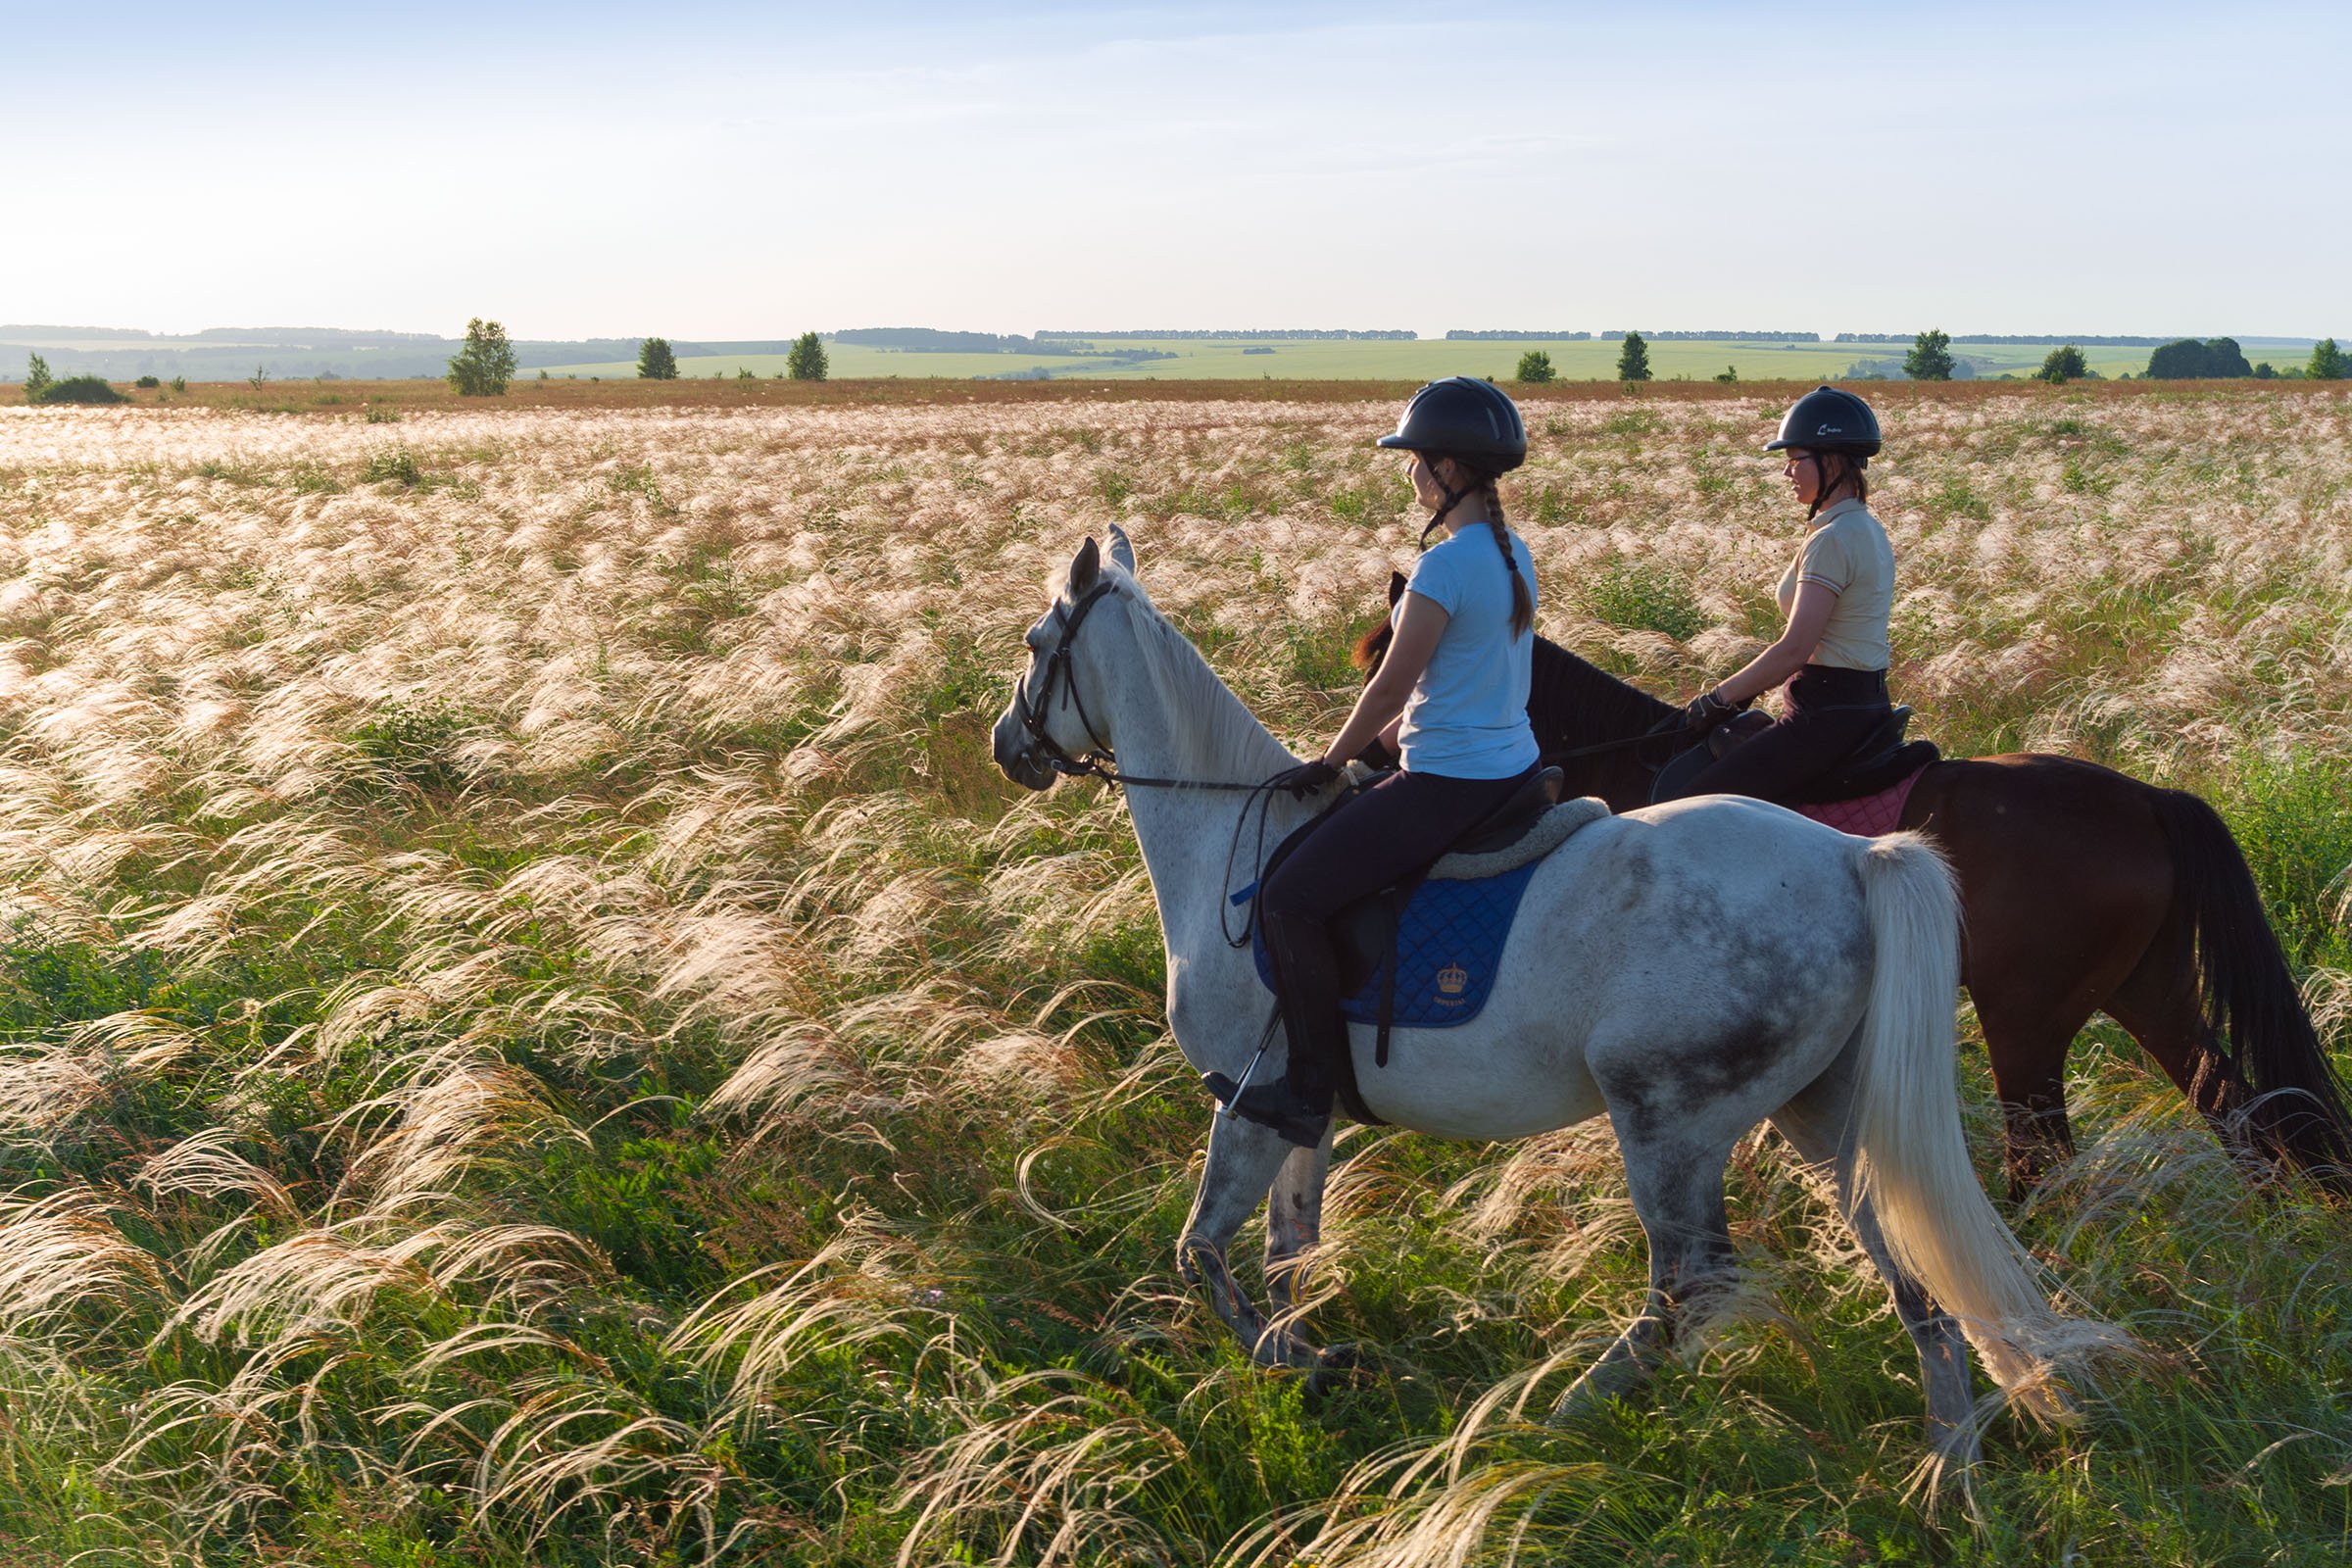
column 1450, row 699
column 1831, row 660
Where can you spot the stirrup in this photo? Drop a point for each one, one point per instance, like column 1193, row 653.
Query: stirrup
column 1274, row 1105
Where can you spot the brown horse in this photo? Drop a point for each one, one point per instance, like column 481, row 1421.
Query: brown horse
column 2083, row 891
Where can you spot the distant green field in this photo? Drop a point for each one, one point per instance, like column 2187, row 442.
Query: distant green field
column 1319, row 359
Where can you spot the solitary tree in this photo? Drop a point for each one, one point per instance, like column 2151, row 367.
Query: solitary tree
column 37, row 379
column 1729, row 376
column 2063, row 364
column 655, row 362
column 485, row 365
column 1930, row 356
column 1534, row 366
column 1632, row 361
column 2327, row 362
column 807, row 361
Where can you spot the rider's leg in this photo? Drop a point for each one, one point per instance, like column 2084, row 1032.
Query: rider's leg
column 1385, row 834
column 1786, row 758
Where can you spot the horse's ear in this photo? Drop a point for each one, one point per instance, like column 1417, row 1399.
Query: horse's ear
column 1397, row 586
column 1085, row 569
column 1122, row 551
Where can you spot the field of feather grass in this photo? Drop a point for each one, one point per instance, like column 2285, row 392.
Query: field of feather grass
column 531, row 1031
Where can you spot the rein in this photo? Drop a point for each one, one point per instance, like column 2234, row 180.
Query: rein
column 1098, row 762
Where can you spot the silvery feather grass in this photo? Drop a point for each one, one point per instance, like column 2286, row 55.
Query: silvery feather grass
column 534, row 1032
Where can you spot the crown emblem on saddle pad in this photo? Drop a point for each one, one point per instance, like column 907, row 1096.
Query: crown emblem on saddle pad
column 1452, row 979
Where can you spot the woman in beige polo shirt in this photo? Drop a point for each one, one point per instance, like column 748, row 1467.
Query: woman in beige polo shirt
column 1836, row 595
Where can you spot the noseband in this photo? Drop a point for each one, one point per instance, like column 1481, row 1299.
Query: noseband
column 1060, row 669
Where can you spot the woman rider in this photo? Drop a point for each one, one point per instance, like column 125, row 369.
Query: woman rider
column 1836, row 595
column 1451, row 699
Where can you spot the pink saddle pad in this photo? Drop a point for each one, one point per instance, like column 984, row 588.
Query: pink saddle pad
column 1870, row 815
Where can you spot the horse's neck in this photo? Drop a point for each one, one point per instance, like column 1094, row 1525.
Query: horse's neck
column 1188, row 725
column 1576, row 702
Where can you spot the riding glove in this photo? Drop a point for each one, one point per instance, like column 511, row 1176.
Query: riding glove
column 1706, row 710
column 1308, row 778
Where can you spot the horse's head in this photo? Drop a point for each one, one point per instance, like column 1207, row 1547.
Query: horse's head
column 1047, row 728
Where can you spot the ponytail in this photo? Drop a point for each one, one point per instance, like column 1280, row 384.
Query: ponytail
column 1523, row 605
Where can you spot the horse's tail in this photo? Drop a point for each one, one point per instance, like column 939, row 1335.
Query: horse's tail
column 2259, row 1039
column 1911, row 1157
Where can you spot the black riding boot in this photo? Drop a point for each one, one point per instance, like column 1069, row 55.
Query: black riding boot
column 1307, row 987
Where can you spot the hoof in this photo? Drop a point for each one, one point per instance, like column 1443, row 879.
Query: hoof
column 1337, row 1366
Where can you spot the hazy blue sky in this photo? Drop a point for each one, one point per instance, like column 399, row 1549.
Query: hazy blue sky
column 737, row 170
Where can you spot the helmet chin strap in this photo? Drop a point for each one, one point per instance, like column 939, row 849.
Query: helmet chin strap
column 1454, row 499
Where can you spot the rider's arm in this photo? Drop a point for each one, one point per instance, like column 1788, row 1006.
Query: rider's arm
column 1808, row 616
column 1419, row 625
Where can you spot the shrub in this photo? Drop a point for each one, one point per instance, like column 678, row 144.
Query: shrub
column 807, row 361
column 2327, row 362
column 179, row 383
column 2063, row 364
column 485, row 365
column 1635, row 597
column 82, row 389
column 655, row 361
column 397, row 465
column 383, row 413
column 37, row 380
column 1534, row 366
column 147, row 383
column 1930, row 356
column 1632, row 361
column 260, row 377
column 1729, row 376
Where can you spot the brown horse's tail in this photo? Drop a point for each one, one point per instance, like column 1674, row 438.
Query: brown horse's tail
column 2249, row 1000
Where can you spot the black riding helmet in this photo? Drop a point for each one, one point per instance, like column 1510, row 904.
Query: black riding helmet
column 1829, row 419
column 1472, row 421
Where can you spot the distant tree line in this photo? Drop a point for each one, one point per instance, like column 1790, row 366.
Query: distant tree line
column 2038, row 340
column 1304, row 336
column 927, row 340
column 1713, row 335
column 1457, row 335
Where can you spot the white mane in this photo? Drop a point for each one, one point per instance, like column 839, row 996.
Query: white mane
column 1217, row 737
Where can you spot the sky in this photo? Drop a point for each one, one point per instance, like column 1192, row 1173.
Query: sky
column 733, row 171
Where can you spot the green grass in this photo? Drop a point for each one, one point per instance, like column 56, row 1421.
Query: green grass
column 645, row 881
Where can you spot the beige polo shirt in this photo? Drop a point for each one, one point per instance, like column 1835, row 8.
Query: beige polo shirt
column 1848, row 554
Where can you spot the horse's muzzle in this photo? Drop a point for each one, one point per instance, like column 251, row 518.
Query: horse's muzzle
column 1015, row 752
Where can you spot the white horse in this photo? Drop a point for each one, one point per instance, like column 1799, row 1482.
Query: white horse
column 1690, row 969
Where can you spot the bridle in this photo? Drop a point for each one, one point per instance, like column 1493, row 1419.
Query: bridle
column 1099, row 761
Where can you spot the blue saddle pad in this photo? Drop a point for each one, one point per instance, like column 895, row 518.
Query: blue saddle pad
column 1449, row 947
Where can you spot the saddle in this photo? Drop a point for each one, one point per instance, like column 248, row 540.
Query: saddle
column 1883, row 759
column 1522, row 830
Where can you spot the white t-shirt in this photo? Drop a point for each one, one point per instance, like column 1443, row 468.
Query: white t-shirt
column 1467, row 718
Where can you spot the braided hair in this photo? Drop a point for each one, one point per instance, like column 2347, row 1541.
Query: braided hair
column 1523, row 605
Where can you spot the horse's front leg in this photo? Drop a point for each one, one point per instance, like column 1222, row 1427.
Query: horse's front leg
column 1242, row 1160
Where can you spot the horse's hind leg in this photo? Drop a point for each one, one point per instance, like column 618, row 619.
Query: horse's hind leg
column 1816, row 1124
column 1243, row 1159
column 1676, row 1183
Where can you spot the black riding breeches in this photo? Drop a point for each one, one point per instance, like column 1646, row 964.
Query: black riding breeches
column 1381, row 837
column 1828, row 712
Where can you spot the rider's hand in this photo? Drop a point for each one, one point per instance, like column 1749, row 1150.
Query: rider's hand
column 1706, row 710
column 1308, row 778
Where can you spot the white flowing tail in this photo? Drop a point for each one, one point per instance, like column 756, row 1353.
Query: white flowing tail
column 1911, row 1159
